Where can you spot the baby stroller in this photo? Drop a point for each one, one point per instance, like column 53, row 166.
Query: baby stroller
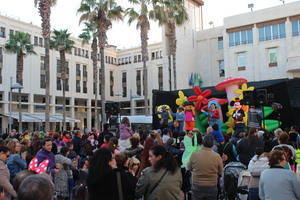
column 230, row 180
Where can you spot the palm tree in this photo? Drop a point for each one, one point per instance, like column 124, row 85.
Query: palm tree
column 61, row 42
column 170, row 14
column 102, row 13
column 44, row 7
column 90, row 33
column 141, row 16
column 19, row 44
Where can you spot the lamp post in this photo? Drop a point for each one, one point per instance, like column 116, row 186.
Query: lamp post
column 19, row 87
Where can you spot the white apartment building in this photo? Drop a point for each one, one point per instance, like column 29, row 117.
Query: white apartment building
column 259, row 45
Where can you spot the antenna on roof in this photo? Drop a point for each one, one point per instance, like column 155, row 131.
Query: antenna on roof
column 283, row 1
column 251, row 6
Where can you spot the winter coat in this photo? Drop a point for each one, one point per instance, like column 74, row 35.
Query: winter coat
column 42, row 155
column 167, row 189
column 246, row 148
column 106, row 187
column 125, row 132
column 4, row 182
column 15, row 164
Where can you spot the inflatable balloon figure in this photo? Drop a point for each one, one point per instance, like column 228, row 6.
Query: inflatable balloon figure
column 200, row 98
column 165, row 115
column 182, row 98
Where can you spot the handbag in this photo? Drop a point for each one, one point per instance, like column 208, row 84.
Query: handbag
column 158, row 182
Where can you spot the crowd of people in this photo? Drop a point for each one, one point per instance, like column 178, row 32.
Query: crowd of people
column 162, row 164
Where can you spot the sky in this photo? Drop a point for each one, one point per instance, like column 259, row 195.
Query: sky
column 64, row 15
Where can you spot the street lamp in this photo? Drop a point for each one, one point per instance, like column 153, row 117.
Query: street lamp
column 12, row 87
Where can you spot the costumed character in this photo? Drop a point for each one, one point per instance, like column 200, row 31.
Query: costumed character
column 189, row 112
column 165, row 115
column 238, row 116
column 214, row 113
column 179, row 122
column 190, row 142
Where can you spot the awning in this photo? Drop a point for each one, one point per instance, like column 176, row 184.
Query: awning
column 40, row 117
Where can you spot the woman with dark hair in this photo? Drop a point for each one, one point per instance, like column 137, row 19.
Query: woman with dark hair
column 278, row 183
column 105, row 181
column 135, row 149
column 125, row 133
column 149, row 143
column 247, row 146
column 162, row 180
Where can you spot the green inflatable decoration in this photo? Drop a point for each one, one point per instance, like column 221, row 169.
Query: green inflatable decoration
column 270, row 124
column 201, row 122
column 267, row 111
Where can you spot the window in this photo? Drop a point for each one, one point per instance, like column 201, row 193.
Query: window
column 40, row 42
column 84, row 71
column 58, row 66
column 11, row 32
column 2, row 32
column 35, row 41
column 139, row 58
column 87, row 54
column 220, row 43
column 58, row 83
column 135, row 59
column 152, row 55
column 78, row 71
column 272, row 32
column 296, row 28
column 42, row 63
column 67, row 84
column 124, row 84
column 272, row 56
column 75, row 51
column 43, row 81
column 78, row 52
column 111, row 78
column 240, row 37
column 138, row 82
column 160, row 79
column 84, row 87
column 241, row 61
column 156, row 55
column 221, row 68
column 67, row 68
column 78, row 86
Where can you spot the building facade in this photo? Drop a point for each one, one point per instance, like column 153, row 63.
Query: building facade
column 257, row 46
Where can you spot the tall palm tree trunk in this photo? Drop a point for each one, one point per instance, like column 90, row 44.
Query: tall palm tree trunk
column 144, row 41
column 20, row 64
column 103, row 116
column 170, row 72
column 47, row 92
column 63, row 77
column 172, row 43
column 95, row 69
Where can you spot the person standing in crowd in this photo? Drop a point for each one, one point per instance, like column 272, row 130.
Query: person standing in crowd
column 166, row 134
column 125, row 134
column 61, row 178
column 17, row 160
column 190, row 142
column 36, row 187
column 135, row 149
column 106, row 131
column 278, row 183
column 77, row 141
column 162, row 180
column 180, row 116
column 247, row 146
column 206, row 166
column 149, row 143
column 5, row 176
column 217, row 134
column 104, row 181
column 45, row 154
column 256, row 166
column 283, row 139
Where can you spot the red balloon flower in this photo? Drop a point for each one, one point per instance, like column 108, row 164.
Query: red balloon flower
column 200, row 98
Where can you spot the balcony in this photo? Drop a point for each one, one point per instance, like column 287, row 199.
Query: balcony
column 293, row 64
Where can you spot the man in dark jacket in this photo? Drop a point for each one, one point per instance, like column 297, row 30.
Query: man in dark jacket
column 77, row 142
column 45, row 154
column 106, row 131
